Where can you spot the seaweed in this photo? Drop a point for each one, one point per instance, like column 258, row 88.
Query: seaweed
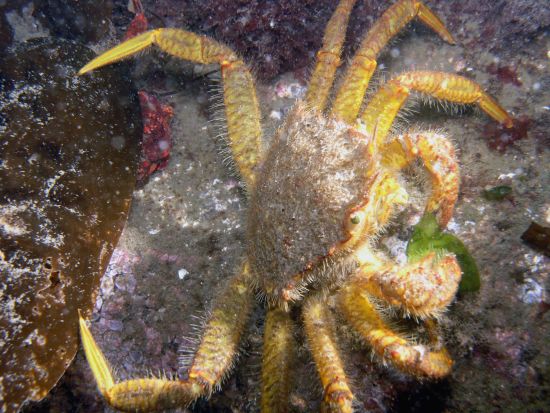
column 506, row 74
column 497, row 193
column 427, row 236
column 69, row 148
column 498, row 137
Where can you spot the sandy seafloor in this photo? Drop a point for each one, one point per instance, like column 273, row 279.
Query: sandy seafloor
column 185, row 236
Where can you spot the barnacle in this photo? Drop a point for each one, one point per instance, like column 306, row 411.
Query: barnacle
column 319, row 197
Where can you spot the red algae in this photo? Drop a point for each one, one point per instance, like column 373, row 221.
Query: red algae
column 157, row 140
column 139, row 23
column 506, row 74
column 499, row 137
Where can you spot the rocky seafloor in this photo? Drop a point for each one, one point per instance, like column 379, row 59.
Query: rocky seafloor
column 186, row 232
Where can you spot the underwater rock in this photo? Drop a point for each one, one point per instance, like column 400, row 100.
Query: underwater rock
column 6, row 34
column 538, row 237
column 516, row 23
column 70, row 19
column 69, row 148
column 255, row 29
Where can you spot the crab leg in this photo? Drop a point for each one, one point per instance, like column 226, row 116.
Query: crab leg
column 384, row 106
column 277, row 357
column 358, row 74
column 328, row 58
column 241, row 104
column 421, row 360
column 438, row 155
column 320, row 333
column 214, row 357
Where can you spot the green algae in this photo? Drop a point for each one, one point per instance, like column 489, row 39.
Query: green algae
column 68, row 155
column 498, row 193
column 427, row 237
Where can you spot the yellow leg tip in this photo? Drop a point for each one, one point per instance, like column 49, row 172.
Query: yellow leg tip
column 429, row 18
column 96, row 359
column 123, row 50
column 494, row 110
column 508, row 122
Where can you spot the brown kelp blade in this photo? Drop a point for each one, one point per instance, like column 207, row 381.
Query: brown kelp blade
column 68, row 155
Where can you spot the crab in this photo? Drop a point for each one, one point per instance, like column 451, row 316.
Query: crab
column 319, row 197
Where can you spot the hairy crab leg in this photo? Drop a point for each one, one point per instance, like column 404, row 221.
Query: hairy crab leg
column 358, row 74
column 276, row 361
column 241, row 104
column 328, row 58
column 386, row 103
column 439, row 158
column 432, row 361
column 137, row 395
column 320, row 333
column 212, row 361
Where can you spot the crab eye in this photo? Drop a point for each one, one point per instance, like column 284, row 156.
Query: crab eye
column 355, row 219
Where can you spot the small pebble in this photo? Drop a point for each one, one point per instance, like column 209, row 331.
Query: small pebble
column 275, row 114
column 530, row 292
column 115, row 325
column 182, row 272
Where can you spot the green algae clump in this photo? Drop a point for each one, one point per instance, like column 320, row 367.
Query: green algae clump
column 427, row 237
column 498, row 193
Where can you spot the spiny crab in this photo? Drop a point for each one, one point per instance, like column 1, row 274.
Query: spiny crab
column 319, row 197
